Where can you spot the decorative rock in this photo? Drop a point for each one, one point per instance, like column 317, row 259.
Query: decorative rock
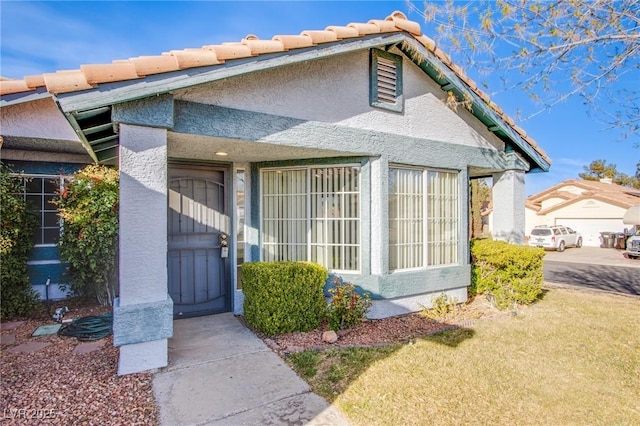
column 28, row 347
column 11, row 325
column 330, row 336
column 7, row 339
column 85, row 348
column 272, row 345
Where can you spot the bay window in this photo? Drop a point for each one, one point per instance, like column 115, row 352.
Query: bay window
column 312, row 214
column 424, row 218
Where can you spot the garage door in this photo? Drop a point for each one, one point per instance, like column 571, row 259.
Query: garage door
column 591, row 228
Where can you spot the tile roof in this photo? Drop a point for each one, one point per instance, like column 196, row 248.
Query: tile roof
column 91, row 75
column 612, row 193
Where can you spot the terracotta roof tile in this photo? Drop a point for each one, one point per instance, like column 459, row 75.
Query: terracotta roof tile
column 343, row 31
column 294, row 41
column 364, row 29
column 318, row 37
column 259, row 47
column 66, row 81
column 446, row 59
column 384, row 26
column 400, row 21
column 230, row 51
column 34, row 81
column 427, row 42
column 9, row 87
column 191, row 58
column 148, row 65
column 105, row 73
column 609, row 192
column 120, row 70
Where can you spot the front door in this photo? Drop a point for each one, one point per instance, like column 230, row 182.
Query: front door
column 198, row 240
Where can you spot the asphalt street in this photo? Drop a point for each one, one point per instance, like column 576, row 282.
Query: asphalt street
column 621, row 279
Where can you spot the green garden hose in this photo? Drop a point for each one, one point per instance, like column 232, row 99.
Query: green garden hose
column 88, row 328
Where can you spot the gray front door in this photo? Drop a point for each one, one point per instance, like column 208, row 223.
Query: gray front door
column 198, row 230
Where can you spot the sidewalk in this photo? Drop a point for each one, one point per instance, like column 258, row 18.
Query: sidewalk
column 220, row 373
column 593, row 256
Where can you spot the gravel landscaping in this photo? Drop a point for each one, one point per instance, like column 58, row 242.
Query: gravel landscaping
column 76, row 383
column 69, row 382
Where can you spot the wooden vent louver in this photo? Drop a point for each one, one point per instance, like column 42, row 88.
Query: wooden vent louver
column 387, row 81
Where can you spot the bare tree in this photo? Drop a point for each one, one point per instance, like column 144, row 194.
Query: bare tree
column 552, row 50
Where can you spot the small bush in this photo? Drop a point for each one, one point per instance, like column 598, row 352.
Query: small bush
column 507, row 273
column 347, row 307
column 441, row 307
column 89, row 241
column 282, row 297
column 17, row 223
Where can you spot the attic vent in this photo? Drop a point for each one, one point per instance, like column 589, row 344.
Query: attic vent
column 386, row 80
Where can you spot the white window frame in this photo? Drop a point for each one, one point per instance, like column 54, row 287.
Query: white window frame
column 61, row 182
column 426, row 220
column 308, row 169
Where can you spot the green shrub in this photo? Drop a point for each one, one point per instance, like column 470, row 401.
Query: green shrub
column 282, row 297
column 441, row 307
column 509, row 274
column 17, row 223
column 89, row 241
column 347, row 307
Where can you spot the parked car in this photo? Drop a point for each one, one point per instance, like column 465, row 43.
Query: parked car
column 555, row 237
column 632, row 217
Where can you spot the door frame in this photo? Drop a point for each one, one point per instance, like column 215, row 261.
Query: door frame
column 227, row 169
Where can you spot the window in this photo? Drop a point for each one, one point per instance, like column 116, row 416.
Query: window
column 40, row 191
column 312, row 213
column 386, row 80
column 406, row 212
column 240, row 212
column 424, row 218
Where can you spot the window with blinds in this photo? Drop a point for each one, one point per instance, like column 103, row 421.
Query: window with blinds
column 313, row 214
column 386, row 80
column 424, row 218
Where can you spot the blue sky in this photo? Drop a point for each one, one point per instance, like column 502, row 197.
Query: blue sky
column 39, row 37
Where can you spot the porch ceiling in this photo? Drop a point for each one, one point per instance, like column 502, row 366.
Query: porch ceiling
column 197, row 147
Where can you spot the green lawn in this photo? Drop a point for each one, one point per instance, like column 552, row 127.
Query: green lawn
column 571, row 359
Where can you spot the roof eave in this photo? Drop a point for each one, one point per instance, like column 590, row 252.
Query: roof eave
column 450, row 81
column 23, row 97
column 130, row 90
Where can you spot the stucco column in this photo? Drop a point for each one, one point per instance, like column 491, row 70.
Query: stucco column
column 143, row 312
column 379, row 215
column 508, row 206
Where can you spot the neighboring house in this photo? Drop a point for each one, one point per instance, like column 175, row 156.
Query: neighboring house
column 334, row 146
column 588, row 207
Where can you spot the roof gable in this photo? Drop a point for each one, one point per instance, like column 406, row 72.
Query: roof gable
column 611, row 193
column 94, row 87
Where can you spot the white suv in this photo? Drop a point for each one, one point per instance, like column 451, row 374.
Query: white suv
column 554, row 237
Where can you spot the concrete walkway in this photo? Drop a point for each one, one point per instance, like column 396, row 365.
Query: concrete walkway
column 220, row 373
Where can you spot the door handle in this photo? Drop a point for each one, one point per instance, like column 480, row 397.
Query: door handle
column 224, row 245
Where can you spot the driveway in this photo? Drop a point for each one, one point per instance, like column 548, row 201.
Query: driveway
column 592, row 256
column 596, row 268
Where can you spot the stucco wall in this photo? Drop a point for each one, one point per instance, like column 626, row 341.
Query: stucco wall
column 336, row 90
column 547, row 204
column 37, row 119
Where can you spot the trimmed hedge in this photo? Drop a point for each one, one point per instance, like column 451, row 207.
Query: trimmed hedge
column 508, row 273
column 282, row 297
